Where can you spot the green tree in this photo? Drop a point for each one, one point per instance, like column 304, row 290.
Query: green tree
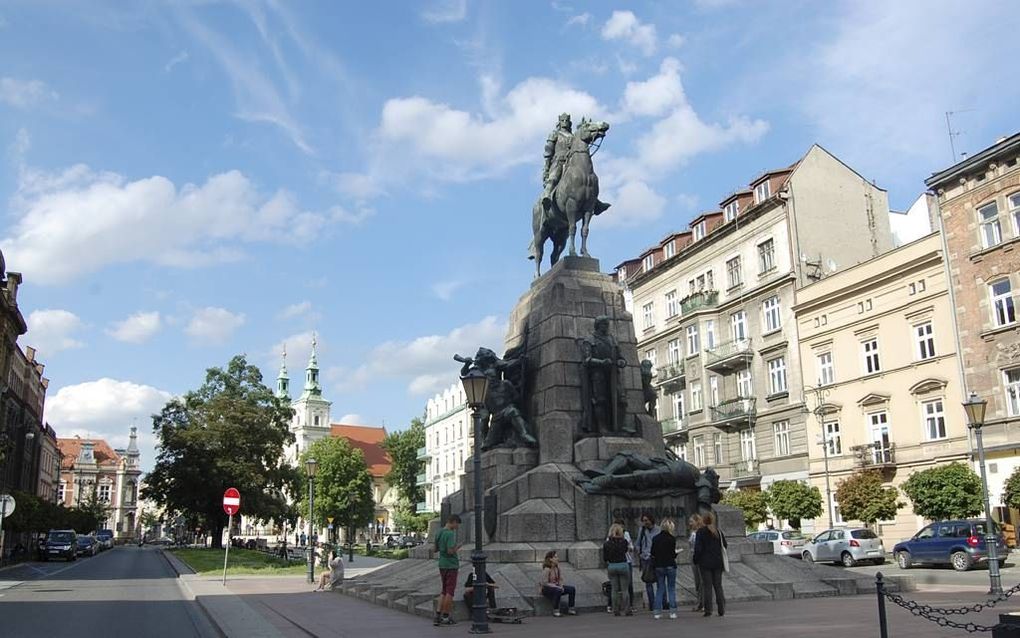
column 753, row 503
column 945, row 492
column 93, row 511
column 794, row 501
column 863, row 496
column 408, row 519
column 403, row 450
column 1011, row 494
column 343, row 485
column 230, row 432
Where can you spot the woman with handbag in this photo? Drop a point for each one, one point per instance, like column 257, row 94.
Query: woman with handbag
column 614, row 552
column 693, row 525
column 710, row 557
column 664, row 559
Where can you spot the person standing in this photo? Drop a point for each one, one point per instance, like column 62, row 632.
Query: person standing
column 552, row 585
column 664, row 560
column 649, row 530
column 694, row 524
column 449, row 564
column 630, row 563
column 708, row 554
column 614, row 552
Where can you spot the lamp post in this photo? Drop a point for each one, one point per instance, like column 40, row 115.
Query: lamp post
column 975, row 409
column 311, row 467
column 476, row 385
column 823, row 440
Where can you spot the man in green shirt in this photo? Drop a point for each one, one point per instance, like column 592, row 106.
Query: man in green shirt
column 446, row 550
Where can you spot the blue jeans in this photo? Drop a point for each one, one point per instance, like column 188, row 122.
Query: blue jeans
column 554, row 594
column 665, row 583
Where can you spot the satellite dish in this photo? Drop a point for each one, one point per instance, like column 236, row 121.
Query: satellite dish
column 832, row 265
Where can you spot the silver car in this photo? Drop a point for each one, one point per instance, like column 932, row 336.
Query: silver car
column 846, row 546
column 784, row 542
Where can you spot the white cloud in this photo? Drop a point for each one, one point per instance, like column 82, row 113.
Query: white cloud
column 444, row 290
column 581, row 20
column 138, row 328
column 20, row 146
column 425, row 363
column 52, row 331
column 634, row 203
column 24, row 94
column 351, row 419
column 675, row 41
column 656, row 95
column 213, row 325
column 445, row 11
column 680, row 136
column 177, row 59
column 624, row 25
column 146, row 220
column 296, row 310
column 298, row 347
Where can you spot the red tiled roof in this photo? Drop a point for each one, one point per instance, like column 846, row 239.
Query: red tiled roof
column 101, row 450
column 369, row 440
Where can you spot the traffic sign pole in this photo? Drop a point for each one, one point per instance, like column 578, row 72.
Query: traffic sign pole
column 226, row 554
column 231, row 505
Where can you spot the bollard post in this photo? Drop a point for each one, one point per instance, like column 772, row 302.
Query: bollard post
column 883, row 627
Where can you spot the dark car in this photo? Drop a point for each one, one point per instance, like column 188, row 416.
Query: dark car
column 60, row 543
column 957, row 543
column 87, row 545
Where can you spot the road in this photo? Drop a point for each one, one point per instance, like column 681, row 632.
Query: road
column 945, row 578
column 126, row 591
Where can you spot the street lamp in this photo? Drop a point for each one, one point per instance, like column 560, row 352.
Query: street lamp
column 975, row 409
column 311, row 467
column 476, row 385
column 823, row 440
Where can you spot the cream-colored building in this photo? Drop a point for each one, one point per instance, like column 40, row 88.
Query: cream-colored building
column 449, row 438
column 713, row 310
column 876, row 341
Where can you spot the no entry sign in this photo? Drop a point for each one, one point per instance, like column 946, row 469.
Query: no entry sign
column 231, row 501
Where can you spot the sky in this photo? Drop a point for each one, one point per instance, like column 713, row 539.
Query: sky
column 185, row 181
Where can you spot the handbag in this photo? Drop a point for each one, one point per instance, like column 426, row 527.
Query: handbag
column 725, row 554
column 648, row 573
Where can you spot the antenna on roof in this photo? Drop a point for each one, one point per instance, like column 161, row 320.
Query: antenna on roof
column 954, row 134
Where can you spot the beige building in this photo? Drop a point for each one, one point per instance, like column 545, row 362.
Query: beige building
column 876, row 341
column 449, row 440
column 713, row 310
column 93, row 467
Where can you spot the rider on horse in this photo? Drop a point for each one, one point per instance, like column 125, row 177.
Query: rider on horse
column 557, row 152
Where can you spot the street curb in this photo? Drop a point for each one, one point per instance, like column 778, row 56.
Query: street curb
column 173, row 562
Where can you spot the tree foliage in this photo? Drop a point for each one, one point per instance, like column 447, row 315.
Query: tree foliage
column 403, row 450
column 1011, row 493
column 230, row 432
column 409, row 520
column 863, row 496
column 343, row 485
column 753, row 503
column 945, row 492
column 794, row 501
column 34, row 514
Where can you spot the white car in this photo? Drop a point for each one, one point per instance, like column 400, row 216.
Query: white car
column 784, row 542
column 845, row 546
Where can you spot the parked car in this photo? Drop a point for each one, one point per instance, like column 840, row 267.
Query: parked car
column 61, row 543
column 162, row 542
column 958, row 543
column 784, row 542
column 87, row 545
column 105, row 539
column 846, row 546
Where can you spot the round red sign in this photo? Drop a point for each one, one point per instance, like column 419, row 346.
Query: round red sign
column 231, row 501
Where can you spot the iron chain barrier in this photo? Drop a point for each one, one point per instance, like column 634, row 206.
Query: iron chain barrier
column 938, row 615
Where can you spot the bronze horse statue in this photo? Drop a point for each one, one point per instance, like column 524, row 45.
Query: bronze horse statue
column 575, row 198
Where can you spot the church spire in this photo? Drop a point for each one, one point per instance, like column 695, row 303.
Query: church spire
column 312, row 387
column 283, row 380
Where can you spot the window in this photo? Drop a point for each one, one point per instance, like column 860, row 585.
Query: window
column 621, row 274
column 693, row 341
column 1014, row 212
column 770, row 308
column 738, row 325
column 871, row 362
column 733, row 274
column 678, row 406
column 316, row 419
column 1002, row 303
column 717, row 446
column 699, row 451
column 777, row 375
column 934, row 419
column 826, row 371
column 648, row 262
column 766, row 256
column 744, row 387
column 833, row 441
column 696, row 402
column 61, row 491
column 730, row 211
column 837, row 514
column 681, row 451
column 672, row 305
column 925, row 341
column 710, row 334
column 1012, row 379
column 673, row 347
column 748, row 450
column 781, row 432
column 648, row 314
column 713, row 390
column 991, row 229
column 881, row 445
column 669, row 249
column 104, row 492
column 699, row 231
column 709, row 280
column 650, row 355
column 762, row 192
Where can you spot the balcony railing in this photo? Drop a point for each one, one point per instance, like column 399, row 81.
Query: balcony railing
column 729, row 356
column 875, row 455
column 671, row 377
column 422, row 453
column 674, row 430
column 699, row 301
column 746, row 469
column 731, row 412
column 421, row 479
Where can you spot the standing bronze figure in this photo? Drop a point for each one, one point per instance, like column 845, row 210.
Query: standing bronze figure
column 603, row 397
column 503, row 423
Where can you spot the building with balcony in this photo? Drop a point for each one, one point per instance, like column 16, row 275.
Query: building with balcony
column 713, row 308
column 978, row 202
column 877, row 345
column 449, row 440
column 91, row 466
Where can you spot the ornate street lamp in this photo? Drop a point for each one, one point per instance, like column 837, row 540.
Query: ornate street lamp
column 311, row 467
column 476, row 386
column 975, row 409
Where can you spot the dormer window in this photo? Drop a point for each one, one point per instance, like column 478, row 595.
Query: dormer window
column 731, row 210
column 762, row 192
column 648, row 262
column 621, row 274
column 669, row 249
column 699, row 230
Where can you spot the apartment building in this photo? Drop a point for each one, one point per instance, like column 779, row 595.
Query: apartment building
column 877, row 344
column 979, row 212
column 713, row 309
column 449, row 441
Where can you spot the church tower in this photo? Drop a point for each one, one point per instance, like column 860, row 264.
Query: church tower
column 283, row 380
column 311, row 411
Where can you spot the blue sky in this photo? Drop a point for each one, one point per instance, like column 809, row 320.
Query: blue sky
column 183, row 181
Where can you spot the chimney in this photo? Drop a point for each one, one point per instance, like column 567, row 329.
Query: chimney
column 30, row 354
column 13, row 281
